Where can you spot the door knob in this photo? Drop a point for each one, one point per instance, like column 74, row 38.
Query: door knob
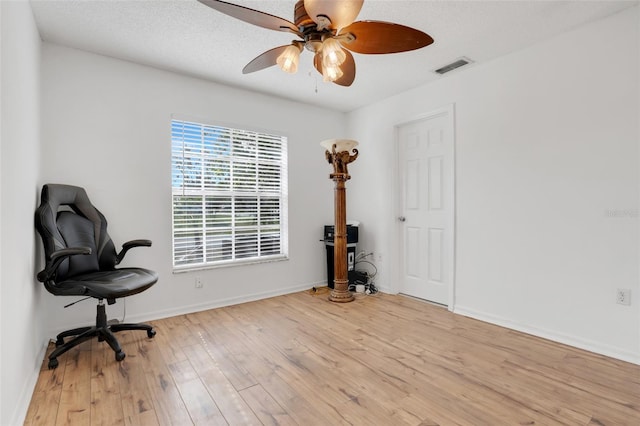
column 402, row 218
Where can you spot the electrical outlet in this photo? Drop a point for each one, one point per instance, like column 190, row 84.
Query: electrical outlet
column 198, row 282
column 623, row 296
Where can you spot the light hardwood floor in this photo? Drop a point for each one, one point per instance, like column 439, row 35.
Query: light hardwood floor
column 301, row 360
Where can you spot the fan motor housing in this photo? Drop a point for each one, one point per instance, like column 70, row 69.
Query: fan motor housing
column 301, row 17
column 313, row 41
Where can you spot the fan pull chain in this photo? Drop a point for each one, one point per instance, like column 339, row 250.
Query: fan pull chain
column 315, row 80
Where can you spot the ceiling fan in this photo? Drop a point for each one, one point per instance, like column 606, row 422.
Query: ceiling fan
column 326, row 28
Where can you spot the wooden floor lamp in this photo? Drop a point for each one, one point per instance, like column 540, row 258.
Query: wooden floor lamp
column 338, row 153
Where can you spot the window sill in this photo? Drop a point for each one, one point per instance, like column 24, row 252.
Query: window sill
column 229, row 264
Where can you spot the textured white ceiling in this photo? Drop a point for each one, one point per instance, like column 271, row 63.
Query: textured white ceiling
column 187, row 37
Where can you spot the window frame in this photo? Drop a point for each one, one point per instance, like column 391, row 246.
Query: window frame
column 208, row 195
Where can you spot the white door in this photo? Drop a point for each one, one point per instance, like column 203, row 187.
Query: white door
column 426, row 196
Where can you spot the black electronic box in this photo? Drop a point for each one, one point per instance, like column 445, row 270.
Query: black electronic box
column 352, row 239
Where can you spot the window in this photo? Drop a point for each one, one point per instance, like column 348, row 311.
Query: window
column 229, row 190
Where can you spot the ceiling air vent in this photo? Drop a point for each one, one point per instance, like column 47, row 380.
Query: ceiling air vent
column 453, row 65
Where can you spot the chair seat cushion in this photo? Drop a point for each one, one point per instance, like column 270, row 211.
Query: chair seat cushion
column 108, row 284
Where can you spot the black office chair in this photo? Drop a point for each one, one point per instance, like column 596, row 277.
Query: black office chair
column 80, row 261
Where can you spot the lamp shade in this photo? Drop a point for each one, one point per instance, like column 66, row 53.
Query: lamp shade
column 331, row 73
column 288, row 60
column 342, row 13
column 332, row 53
column 341, row 144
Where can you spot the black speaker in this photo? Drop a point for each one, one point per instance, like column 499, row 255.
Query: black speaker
column 352, row 239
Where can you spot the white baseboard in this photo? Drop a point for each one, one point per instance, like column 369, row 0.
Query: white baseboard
column 188, row 309
column 220, row 303
column 555, row 336
column 385, row 289
column 26, row 393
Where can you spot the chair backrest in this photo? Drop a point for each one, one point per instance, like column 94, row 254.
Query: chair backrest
column 66, row 218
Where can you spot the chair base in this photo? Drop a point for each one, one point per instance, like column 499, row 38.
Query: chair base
column 102, row 330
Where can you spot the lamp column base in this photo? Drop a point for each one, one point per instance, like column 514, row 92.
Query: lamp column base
column 340, row 292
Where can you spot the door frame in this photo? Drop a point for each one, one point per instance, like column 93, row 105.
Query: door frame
column 396, row 234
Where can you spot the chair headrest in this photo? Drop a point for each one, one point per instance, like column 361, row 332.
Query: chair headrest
column 56, row 195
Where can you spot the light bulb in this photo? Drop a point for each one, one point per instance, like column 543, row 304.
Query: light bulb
column 331, row 73
column 288, row 60
column 332, row 53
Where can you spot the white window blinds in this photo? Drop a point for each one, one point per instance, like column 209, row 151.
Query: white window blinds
column 229, row 190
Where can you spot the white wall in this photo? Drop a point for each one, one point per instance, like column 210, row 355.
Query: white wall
column 106, row 127
column 22, row 333
column 547, row 144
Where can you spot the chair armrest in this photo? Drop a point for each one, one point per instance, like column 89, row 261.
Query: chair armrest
column 129, row 245
column 56, row 259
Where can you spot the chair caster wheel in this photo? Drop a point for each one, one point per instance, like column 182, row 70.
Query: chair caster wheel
column 120, row 356
column 59, row 342
column 53, row 363
column 151, row 333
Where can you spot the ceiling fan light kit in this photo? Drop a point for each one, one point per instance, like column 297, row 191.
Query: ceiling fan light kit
column 326, row 28
column 288, row 60
column 331, row 73
column 332, row 53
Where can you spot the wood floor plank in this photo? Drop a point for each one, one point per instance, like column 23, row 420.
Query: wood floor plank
column 228, row 400
column 106, row 401
column 268, row 411
column 166, row 332
column 288, row 362
column 137, row 401
column 233, row 371
column 201, row 407
column 265, row 367
column 46, row 398
column 75, row 400
column 299, row 359
column 165, row 397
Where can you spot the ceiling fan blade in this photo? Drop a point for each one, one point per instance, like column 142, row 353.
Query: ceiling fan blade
column 340, row 12
column 264, row 60
column 251, row 16
column 348, row 68
column 377, row 37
